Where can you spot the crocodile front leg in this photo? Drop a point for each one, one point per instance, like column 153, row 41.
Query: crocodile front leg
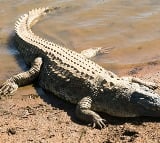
column 92, row 52
column 84, row 112
column 12, row 84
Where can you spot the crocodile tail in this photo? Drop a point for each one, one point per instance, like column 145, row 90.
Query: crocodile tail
column 25, row 38
column 29, row 19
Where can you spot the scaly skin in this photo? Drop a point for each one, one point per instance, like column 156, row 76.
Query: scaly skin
column 75, row 78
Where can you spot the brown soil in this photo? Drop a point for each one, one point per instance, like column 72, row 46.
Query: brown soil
column 33, row 116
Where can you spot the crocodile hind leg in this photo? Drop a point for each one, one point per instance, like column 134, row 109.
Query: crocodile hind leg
column 12, row 84
column 92, row 52
column 84, row 112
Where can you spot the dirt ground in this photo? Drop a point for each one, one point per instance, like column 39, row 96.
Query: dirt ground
column 31, row 115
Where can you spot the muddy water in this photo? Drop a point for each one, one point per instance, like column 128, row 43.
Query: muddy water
column 131, row 27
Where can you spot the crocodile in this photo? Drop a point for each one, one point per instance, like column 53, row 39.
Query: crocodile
column 74, row 77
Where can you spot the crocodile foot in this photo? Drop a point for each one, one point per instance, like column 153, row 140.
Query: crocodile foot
column 98, row 122
column 12, row 84
column 92, row 52
column 85, row 113
column 8, row 87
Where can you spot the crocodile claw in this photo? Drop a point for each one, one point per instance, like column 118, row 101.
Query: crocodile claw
column 105, row 50
column 8, row 87
column 98, row 122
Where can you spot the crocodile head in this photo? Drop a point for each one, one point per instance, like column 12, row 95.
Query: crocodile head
column 127, row 100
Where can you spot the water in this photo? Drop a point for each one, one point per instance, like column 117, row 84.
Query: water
column 131, row 27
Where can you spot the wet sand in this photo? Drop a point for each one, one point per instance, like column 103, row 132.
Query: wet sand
column 131, row 27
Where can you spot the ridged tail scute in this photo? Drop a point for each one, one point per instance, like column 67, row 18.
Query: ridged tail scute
column 26, row 41
column 29, row 19
column 24, row 35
